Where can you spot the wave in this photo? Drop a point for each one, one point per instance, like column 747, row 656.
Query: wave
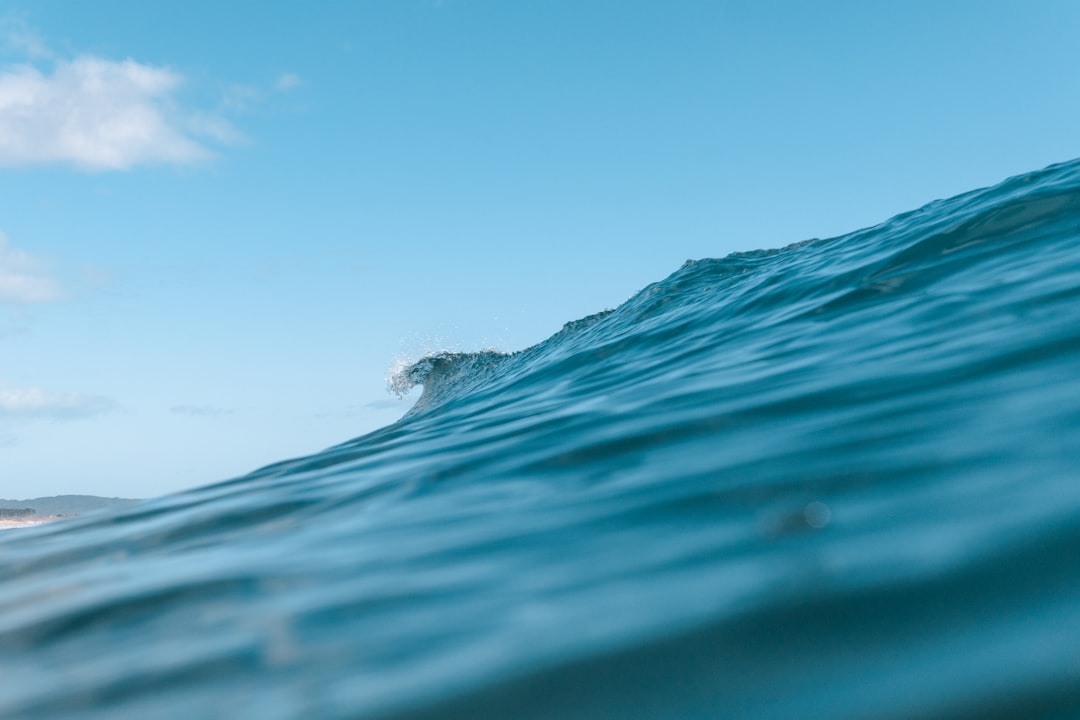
column 831, row 480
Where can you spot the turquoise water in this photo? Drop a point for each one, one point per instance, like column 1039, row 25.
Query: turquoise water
column 835, row 480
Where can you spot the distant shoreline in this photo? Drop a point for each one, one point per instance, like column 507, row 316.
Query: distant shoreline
column 56, row 507
column 13, row 523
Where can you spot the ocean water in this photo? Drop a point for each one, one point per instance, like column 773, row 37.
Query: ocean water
column 835, row 480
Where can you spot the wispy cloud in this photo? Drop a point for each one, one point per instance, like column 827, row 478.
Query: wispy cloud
column 365, row 409
column 33, row 403
column 388, row 404
column 19, row 39
column 287, row 81
column 22, row 277
column 12, row 329
column 23, row 41
column 199, row 410
column 97, row 114
column 240, row 98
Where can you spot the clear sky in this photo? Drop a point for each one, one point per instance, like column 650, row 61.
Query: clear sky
column 222, row 223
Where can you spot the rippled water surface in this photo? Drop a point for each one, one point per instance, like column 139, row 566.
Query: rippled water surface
column 836, row 480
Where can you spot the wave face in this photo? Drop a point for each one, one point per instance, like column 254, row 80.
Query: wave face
column 836, row 480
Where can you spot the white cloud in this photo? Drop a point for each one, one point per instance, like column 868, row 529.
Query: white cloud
column 98, row 114
column 32, row 403
column 288, row 81
column 22, row 280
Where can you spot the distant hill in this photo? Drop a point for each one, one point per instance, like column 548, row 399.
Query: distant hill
column 68, row 504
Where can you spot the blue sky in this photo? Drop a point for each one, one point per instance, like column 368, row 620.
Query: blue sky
column 221, row 224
